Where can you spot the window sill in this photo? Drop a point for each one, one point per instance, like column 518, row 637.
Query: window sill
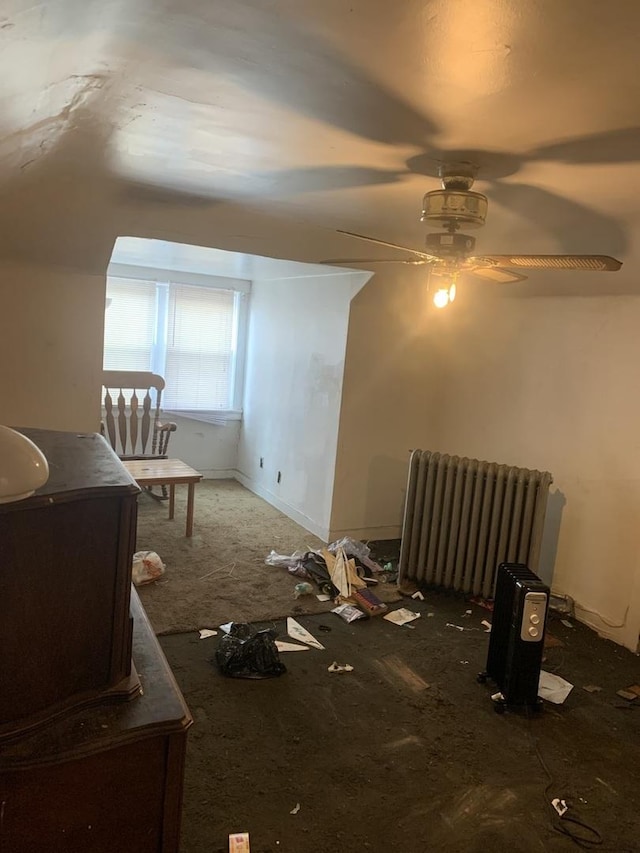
column 216, row 418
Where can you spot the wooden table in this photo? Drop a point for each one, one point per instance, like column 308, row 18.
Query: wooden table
column 169, row 472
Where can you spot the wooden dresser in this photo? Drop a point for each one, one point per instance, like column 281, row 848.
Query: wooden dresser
column 92, row 724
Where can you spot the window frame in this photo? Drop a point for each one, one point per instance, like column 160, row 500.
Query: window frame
column 241, row 288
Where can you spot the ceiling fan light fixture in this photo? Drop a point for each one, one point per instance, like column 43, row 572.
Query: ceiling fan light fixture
column 453, row 208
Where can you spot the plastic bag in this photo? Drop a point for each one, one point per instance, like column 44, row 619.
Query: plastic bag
column 247, row 652
column 351, row 547
column 287, row 562
column 357, row 549
column 147, row 567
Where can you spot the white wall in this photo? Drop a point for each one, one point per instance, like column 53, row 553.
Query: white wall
column 211, row 449
column 51, row 328
column 387, row 402
column 294, row 375
column 551, row 384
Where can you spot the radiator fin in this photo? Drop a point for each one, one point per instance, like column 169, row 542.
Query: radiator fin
column 463, row 517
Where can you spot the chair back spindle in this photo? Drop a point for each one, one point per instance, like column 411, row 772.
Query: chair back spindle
column 135, row 432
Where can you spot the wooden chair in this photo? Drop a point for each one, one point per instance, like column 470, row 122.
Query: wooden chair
column 133, row 427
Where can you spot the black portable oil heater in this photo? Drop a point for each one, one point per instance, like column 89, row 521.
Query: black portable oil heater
column 517, row 634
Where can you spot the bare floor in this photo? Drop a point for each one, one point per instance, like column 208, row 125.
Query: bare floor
column 405, row 753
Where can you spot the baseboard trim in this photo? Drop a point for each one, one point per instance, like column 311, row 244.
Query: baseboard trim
column 389, row 531
column 218, row 473
column 283, row 506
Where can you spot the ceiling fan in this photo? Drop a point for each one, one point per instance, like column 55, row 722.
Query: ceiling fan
column 449, row 253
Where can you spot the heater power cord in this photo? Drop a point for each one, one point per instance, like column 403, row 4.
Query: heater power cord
column 580, row 832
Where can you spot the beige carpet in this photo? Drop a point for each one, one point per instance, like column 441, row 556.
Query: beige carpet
column 219, row 575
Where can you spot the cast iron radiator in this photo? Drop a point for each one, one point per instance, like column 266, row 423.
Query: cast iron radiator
column 464, row 517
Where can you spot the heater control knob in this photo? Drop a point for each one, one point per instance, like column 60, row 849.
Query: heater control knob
column 533, row 616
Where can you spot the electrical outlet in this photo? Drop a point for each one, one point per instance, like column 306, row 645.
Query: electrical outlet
column 279, row 476
column 262, row 462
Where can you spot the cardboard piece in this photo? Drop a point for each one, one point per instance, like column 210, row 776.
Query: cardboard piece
column 627, row 694
column 239, row 843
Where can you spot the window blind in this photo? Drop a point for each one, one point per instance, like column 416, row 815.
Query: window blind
column 129, row 324
column 186, row 333
column 199, row 356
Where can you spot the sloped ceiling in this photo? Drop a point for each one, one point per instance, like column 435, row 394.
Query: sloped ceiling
column 264, row 125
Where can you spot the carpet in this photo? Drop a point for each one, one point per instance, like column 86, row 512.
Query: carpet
column 219, row 575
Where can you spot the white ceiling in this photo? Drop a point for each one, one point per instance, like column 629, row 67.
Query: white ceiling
column 175, row 119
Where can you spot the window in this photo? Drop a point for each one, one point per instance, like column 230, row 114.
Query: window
column 129, row 328
column 192, row 334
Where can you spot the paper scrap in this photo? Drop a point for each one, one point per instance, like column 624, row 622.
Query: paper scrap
column 451, row 625
column 553, row 688
column 239, row 843
column 429, row 615
column 283, row 646
column 207, row 632
column 635, row 688
column 592, row 688
column 340, row 667
column 323, row 597
column 566, row 623
column 295, row 809
column 560, row 806
column 297, row 632
column 486, row 625
column 418, row 595
column 401, row 616
column 226, row 627
column 348, row 612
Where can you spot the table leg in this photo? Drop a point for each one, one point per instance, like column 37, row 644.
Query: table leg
column 172, row 499
column 190, row 501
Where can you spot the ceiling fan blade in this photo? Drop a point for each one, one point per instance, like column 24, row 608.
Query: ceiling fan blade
column 347, row 261
column 497, row 274
column 593, row 263
column 389, row 245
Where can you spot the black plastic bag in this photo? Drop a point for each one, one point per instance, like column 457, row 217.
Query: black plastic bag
column 318, row 571
column 247, row 652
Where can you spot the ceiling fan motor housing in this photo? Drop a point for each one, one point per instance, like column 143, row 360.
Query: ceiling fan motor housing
column 450, row 245
column 455, row 207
